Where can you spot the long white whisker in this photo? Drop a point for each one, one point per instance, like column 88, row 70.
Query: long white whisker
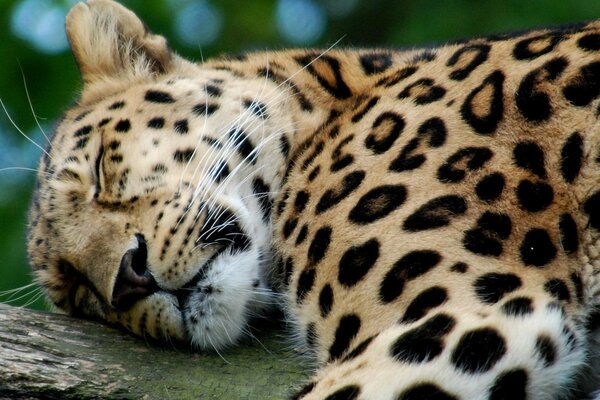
column 31, row 106
column 23, row 133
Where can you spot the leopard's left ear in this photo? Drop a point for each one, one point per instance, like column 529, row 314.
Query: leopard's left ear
column 110, row 42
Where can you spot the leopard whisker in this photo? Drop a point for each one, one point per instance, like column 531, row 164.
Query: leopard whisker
column 14, row 124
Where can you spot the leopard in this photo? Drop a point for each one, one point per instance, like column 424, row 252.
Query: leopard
column 428, row 219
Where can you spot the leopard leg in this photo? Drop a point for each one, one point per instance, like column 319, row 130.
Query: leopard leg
column 523, row 349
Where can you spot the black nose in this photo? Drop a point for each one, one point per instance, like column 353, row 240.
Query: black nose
column 134, row 280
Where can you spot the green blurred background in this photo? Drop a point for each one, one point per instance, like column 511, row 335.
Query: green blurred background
column 34, row 54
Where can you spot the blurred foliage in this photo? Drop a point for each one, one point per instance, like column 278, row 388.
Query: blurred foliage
column 52, row 78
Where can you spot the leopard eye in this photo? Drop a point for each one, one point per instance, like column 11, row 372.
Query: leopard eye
column 98, row 172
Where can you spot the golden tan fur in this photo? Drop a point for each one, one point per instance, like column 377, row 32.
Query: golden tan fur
column 476, row 161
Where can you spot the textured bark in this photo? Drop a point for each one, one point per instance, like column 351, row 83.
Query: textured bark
column 51, row 356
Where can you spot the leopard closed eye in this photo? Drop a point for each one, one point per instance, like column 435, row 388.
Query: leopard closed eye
column 431, row 218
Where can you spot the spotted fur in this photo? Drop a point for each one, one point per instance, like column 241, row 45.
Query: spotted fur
column 430, row 217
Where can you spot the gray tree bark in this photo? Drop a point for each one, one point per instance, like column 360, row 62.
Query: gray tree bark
column 51, row 356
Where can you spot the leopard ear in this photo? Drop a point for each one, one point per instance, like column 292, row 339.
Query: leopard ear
column 109, row 42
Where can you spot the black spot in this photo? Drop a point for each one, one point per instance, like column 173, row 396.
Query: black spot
column 83, row 131
column 409, row 267
column 284, row 145
column 381, row 139
column 423, row 56
column 81, row 143
column 590, row 42
column 377, row 203
column 339, row 159
column 459, row 267
column 327, row 71
column 397, row 76
column 435, row 129
column 492, row 287
column 510, row 385
column 569, row 236
column 305, row 283
column 592, row 208
column 584, row 87
column 306, row 389
column 534, row 197
column 316, row 150
column 156, row 96
column 423, row 303
column 212, row 90
column 301, row 200
column 288, row 269
column 184, row 155
column 484, row 114
column 536, row 46
column 117, row 105
column 346, row 331
column 406, row 160
column 571, row 157
column 359, row 349
column 311, row 335
column 375, row 63
column 486, row 237
column 103, row 122
column 283, row 201
column 517, row 307
column 435, row 213
column 325, row 300
column 546, row 349
column 530, row 157
column 289, row 226
column 425, row 391
column 257, row 108
column 319, row 245
column 357, row 261
column 156, row 123
column 476, row 54
column 314, row 173
column 332, row 197
column 81, row 116
column 490, row 187
column 205, row 109
column 423, row 343
column 558, row 289
column 302, row 235
column 466, row 159
column 243, row 145
column 365, row 109
column 537, row 248
column 478, row 350
column 123, row 126
column 219, row 172
column 532, row 102
column 261, row 192
column 349, row 392
column 423, row 91
column 212, row 142
column 576, row 280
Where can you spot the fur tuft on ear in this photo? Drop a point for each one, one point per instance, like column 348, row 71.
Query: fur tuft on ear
column 110, row 43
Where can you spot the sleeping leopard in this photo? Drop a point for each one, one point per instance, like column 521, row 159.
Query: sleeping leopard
column 428, row 219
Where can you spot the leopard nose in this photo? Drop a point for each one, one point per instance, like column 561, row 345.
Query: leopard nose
column 134, row 280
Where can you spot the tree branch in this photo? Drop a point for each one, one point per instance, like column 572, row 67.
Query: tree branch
column 53, row 356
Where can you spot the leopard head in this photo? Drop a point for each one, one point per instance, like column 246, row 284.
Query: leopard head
column 152, row 204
